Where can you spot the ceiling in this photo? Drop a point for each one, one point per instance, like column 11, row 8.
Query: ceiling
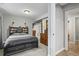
column 37, row 9
column 62, row 4
column 73, row 12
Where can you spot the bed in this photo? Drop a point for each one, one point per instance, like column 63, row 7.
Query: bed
column 18, row 42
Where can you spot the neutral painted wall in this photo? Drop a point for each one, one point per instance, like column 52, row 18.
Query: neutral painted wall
column 71, row 6
column 71, row 27
column 59, row 41
column 42, row 16
column 19, row 21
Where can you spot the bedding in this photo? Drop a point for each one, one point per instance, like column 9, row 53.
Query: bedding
column 17, row 37
column 18, row 42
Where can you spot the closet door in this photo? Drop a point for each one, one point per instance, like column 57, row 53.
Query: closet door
column 37, row 28
column 0, row 33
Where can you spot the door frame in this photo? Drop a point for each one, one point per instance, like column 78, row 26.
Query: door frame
column 66, row 33
column 1, row 29
column 51, row 29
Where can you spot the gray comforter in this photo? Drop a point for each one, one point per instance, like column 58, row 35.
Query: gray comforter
column 19, row 42
column 19, row 39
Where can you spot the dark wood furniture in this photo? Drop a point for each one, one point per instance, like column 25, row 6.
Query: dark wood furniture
column 44, row 38
column 18, row 30
column 33, row 32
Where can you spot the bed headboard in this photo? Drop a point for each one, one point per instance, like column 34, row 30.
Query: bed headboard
column 18, row 30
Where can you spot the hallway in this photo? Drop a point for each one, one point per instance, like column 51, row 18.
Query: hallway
column 72, row 51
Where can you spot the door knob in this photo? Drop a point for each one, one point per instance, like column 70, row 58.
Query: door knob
column 53, row 34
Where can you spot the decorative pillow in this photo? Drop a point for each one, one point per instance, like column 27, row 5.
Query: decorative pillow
column 19, row 30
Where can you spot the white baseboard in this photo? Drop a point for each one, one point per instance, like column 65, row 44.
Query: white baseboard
column 59, row 51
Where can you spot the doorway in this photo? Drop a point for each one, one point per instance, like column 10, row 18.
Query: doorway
column 72, row 32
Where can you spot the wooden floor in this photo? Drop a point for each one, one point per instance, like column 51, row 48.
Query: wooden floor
column 73, row 50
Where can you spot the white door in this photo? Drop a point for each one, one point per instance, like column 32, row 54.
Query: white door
column 38, row 30
column 0, row 32
column 77, row 28
column 37, row 27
